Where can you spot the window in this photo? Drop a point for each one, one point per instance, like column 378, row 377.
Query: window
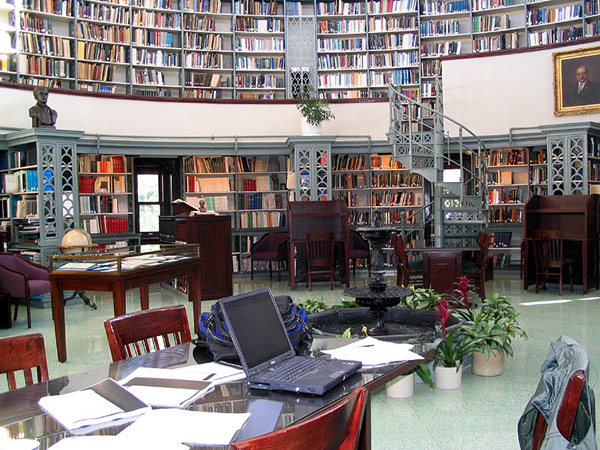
column 148, row 198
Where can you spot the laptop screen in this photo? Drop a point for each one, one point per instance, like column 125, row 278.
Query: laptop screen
column 254, row 319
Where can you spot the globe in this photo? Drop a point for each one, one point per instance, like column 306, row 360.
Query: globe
column 75, row 240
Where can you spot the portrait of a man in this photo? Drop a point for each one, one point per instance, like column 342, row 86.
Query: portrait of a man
column 577, row 81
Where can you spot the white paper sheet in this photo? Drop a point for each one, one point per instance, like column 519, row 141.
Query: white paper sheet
column 188, row 427
column 114, row 443
column 215, row 372
column 373, row 352
column 159, row 387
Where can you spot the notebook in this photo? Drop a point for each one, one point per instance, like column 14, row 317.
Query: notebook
column 266, row 352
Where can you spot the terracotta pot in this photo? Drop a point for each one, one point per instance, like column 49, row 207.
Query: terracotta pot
column 401, row 387
column 491, row 367
column 447, row 377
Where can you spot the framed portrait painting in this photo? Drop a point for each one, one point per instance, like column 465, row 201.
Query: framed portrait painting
column 577, row 81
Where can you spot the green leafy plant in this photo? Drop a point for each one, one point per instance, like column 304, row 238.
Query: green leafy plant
column 313, row 306
column 314, row 110
column 347, row 304
column 493, row 328
column 450, row 347
column 423, row 372
column 421, row 299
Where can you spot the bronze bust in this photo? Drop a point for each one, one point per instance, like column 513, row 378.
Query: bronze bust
column 41, row 114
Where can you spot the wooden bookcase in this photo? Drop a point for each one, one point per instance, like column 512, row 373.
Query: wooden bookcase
column 515, row 174
column 106, row 195
column 250, row 189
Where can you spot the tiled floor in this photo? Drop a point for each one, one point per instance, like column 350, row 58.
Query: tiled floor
column 482, row 414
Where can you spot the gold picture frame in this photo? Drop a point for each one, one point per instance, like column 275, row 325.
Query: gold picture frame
column 573, row 66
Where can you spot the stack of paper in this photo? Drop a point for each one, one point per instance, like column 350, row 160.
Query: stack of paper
column 101, row 405
column 373, row 352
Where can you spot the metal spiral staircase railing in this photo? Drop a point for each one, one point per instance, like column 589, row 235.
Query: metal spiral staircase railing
column 455, row 167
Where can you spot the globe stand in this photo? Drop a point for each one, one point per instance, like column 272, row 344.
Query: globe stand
column 76, row 240
column 88, row 301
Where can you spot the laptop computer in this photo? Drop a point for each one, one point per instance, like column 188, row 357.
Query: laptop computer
column 266, row 353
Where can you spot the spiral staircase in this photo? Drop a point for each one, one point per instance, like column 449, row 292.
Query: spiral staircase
column 454, row 170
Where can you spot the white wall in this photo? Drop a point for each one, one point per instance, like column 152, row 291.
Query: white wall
column 155, row 118
column 491, row 94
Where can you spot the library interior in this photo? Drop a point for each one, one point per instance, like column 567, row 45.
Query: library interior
column 412, row 178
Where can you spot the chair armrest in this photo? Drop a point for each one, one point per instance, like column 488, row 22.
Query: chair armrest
column 13, row 282
column 34, row 271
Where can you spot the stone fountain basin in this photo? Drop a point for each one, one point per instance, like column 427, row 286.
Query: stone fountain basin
column 403, row 324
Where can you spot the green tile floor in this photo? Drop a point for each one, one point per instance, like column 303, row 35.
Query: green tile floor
column 482, row 414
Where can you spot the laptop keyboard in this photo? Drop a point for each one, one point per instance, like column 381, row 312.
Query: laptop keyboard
column 297, row 369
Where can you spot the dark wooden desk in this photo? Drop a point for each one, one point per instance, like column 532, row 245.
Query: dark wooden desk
column 442, row 267
column 118, row 283
column 21, row 416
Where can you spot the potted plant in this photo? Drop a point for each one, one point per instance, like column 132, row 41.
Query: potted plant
column 404, row 385
column 449, row 351
column 314, row 111
column 489, row 335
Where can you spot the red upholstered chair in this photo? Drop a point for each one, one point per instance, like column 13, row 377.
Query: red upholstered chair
column 24, row 353
column 147, row 331
column 358, row 248
column 336, row 427
column 21, row 278
column 272, row 247
column 550, row 261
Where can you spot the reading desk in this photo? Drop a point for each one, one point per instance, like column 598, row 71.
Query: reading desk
column 21, row 416
column 118, row 272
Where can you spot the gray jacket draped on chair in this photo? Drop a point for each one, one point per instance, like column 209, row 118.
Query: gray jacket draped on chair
column 565, row 357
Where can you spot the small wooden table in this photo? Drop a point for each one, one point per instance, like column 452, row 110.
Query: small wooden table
column 118, row 282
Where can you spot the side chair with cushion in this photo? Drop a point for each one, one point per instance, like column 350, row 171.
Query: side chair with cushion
column 147, row 331
column 271, row 247
column 24, row 353
column 337, row 426
column 21, row 278
column 407, row 272
column 358, row 248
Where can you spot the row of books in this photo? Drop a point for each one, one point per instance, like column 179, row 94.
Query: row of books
column 259, row 183
column 252, row 24
column 104, row 33
column 26, row 206
column 156, row 19
column 46, row 45
column 212, row 6
column 349, row 181
column 397, row 199
column 266, row 200
column 89, row 163
column 4, row 207
column 540, row 16
column 397, row 180
column 24, row 181
column 104, row 224
column 102, row 52
column 490, row 23
column 103, row 204
column 482, row 5
column 204, row 79
column 505, row 214
column 344, row 61
column 342, row 26
column 155, row 38
column 339, row 8
column 97, row 72
column 102, row 185
column 212, row 184
column 501, row 239
column 254, row 63
column 439, row 27
column 392, row 41
column 45, row 66
column 556, row 35
column 205, row 60
column 494, row 43
column 392, row 23
column 194, row 23
column 339, row 44
column 501, row 260
column 60, row 7
column 507, row 156
column 262, row 219
column 504, row 196
column 113, row 14
column 147, row 57
column 255, row 7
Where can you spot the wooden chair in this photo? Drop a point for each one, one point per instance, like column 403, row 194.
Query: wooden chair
column 549, row 258
column 320, row 256
column 566, row 414
column 478, row 273
column 358, row 248
column 21, row 278
column 272, row 247
column 23, row 353
column 336, row 427
column 407, row 272
column 147, row 331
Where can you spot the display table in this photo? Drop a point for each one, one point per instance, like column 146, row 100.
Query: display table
column 117, row 273
column 21, row 416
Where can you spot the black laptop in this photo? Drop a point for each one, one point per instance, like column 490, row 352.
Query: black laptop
column 266, row 352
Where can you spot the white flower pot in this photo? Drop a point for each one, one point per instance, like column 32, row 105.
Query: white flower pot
column 447, row 377
column 401, row 387
column 310, row 130
column 488, row 368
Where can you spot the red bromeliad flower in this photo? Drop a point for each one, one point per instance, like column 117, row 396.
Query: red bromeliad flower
column 462, row 289
column 443, row 313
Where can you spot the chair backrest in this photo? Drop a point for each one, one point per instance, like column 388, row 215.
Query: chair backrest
column 270, row 242
column 400, row 251
column 24, row 353
column 147, row 331
column 320, row 248
column 336, row 427
column 566, row 413
column 548, row 247
column 484, row 245
column 357, row 242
